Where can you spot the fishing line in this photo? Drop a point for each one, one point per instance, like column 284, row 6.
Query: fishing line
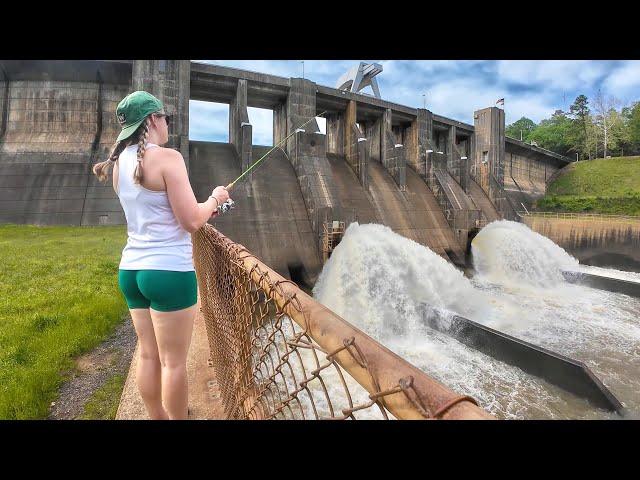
column 229, row 204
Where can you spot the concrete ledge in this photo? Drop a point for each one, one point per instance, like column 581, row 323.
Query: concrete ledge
column 614, row 285
column 569, row 374
column 204, row 395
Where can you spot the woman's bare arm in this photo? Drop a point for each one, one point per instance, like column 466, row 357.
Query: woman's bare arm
column 191, row 214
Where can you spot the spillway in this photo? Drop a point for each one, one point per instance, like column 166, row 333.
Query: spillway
column 378, row 281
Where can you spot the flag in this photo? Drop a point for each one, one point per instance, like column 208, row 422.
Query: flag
column 500, row 102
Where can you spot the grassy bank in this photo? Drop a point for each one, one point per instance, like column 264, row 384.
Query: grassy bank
column 610, row 186
column 59, row 298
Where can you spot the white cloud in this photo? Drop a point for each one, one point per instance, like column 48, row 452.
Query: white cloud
column 625, row 81
column 455, row 88
column 208, row 121
column 261, row 125
column 552, row 74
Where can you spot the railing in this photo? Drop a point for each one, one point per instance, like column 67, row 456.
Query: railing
column 332, row 233
column 508, row 209
column 279, row 354
column 581, row 216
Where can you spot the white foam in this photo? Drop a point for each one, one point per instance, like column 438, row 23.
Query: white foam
column 510, row 252
column 379, row 281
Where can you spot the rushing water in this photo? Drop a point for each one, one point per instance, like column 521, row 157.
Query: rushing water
column 380, row 282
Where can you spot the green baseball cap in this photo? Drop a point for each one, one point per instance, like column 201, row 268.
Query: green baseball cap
column 133, row 109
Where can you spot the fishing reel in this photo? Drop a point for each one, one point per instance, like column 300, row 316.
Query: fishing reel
column 226, row 206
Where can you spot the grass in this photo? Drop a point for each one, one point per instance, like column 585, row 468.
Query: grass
column 610, row 186
column 59, row 298
column 103, row 404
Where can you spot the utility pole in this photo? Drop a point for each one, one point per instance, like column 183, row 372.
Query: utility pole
column 424, row 98
column 302, row 69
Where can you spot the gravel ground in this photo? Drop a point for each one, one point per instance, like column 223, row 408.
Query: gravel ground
column 112, row 357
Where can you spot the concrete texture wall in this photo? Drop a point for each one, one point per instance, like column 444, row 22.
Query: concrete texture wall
column 461, row 147
column 4, row 97
column 488, row 164
column 529, row 172
column 335, row 133
column 55, row 131
column 279, row 123
column 604, row 241
column 356, row 145
column 417, row 143
column 453, row 156
column 372, row 132
column 169, row 80
column 350, row 136
column 240, row 132
column 271, row 221
column 393, row 158
column 45, row 116
column 307, row 152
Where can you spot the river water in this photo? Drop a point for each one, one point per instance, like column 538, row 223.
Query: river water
column 380, row 281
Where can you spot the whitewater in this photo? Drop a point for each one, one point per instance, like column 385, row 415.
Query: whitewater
column 384, row 283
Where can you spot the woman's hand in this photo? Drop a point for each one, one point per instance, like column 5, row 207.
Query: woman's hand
column 221, row 194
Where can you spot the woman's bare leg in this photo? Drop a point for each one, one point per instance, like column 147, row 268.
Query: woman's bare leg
column 148, row 375
column 173, row 335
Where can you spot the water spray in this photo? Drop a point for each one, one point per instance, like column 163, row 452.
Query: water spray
column 229, row 204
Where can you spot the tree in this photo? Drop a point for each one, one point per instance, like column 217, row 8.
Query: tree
column 521, row 129
column 580, row 112
column 633, row 126
column 603, row 105
column 554, row 133
column 619, row 138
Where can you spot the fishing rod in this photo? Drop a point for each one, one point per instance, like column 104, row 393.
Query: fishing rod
column 229, row 204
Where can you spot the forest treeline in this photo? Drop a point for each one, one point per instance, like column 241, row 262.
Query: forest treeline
column 587, row 130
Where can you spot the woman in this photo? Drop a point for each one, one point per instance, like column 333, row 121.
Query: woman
column 156, row 273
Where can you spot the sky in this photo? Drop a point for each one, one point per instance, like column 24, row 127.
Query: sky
column 453, row 88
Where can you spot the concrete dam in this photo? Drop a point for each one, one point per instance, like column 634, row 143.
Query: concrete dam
column 429, row 178
column 399, row 195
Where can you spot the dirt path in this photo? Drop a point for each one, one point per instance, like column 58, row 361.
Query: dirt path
column 93, row 370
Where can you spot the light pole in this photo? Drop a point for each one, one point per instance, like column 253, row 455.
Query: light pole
column 424, row 98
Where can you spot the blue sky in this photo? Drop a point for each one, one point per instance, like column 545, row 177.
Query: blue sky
column 454, row 88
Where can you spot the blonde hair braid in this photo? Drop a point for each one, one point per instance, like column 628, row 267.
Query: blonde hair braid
column 142, row 147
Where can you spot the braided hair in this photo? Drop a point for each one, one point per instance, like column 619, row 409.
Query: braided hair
column 101, row 169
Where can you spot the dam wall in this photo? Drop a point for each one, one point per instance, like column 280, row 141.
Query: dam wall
column 599, row 240
column 57, row 119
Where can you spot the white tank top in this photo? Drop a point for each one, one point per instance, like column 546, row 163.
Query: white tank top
column 156, row 241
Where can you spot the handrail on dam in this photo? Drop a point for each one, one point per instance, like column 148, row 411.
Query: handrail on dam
column 581, row 216
column 279, row 354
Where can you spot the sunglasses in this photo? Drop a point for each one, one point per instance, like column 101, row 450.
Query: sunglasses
column 166, row 117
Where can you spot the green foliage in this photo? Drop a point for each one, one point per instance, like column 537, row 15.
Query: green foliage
column 523, row 127
column 633, row 122
column 580, row 131
column 610, row 186
column 59, row 298
column 580, row 204
column 554, row 134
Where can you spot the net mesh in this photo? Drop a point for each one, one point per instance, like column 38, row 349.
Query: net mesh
column 269, row 364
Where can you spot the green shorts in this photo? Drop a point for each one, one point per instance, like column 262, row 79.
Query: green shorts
column 162, row 290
